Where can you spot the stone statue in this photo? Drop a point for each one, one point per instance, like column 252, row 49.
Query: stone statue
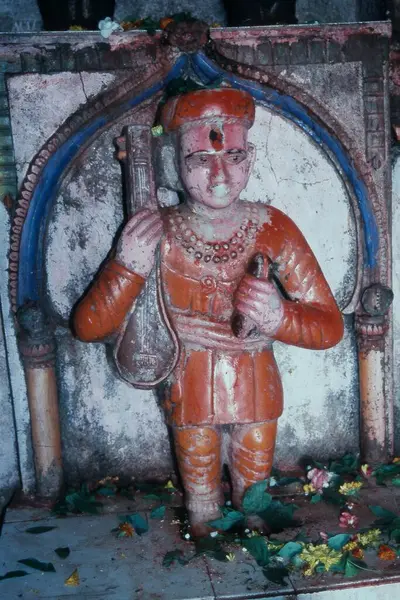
column 232, row 277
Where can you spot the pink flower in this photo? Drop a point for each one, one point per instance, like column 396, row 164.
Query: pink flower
column 366, row 470
column 324, row 536
column 319, row 478
column 346, row 519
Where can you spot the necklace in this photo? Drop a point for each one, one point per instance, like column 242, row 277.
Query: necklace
column 216, row 251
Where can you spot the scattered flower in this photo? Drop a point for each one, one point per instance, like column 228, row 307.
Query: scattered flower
column 247, row 530
column 273, row 482
column 324, row 536
column 358, row 553
column 228, row 503
column 125, row 530
column 165, row 22
column 350, row 505
column 320, row 478
column 73, row 580
column 107, row 26
column 169, row 485
column 396, row 460
column 308, row 489
column 386, row 552
column 346, row 519
column 187, row 536
column 318, row 555
column 366, row 470
column 214, row 534
column 350, row 489
column 157, row 131
column 369, row 538
column 129, row 25
column 76, row 28
column 244, row 550
column 350, row 546
column 230, row 556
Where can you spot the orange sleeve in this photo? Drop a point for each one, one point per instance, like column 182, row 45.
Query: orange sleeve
column 312, row 318
column 104, row 307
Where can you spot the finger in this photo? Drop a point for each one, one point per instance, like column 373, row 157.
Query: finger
column 252, row 304
column 152, row 233
column 249, row 292
column 147, row 223
column 257, row 284
column 135, row 219
column 244, row 309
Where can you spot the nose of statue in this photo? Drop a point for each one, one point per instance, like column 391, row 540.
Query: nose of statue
column 217, row 172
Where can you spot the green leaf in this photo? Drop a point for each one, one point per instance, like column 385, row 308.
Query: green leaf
column 276, row 575
column 231, row 518
column 138, row 523
column 395, row 535
column 158, row 513
column 396, row 481
column 382, row 513
column 211, row 547
column 338, row 541
column 256, row 499
column 33, row 563
column 152, row 496
column 174, row 556
column 316, row 498
column 62, row 552
column 332, row 495
column 340, row 566
column 82, row 502
column 258, row 549
column 353, row 566
column 347, row 465
column 40, row 529
column 289, row 550
column 279, row 516
column 106, row 491
column 12, row 574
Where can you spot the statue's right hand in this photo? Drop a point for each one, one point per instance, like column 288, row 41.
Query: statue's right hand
column 138, row 241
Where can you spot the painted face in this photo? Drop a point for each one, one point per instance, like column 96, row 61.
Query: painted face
column 215, row 162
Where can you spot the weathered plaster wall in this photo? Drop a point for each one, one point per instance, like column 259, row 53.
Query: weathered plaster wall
column 119, row 430
column 396, row 301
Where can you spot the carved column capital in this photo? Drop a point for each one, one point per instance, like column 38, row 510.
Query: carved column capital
column 372, row 323
column 36, row 339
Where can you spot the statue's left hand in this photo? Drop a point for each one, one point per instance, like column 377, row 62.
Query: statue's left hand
column 260, row 301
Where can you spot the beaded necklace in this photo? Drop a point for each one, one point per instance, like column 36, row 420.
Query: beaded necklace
column 219, row 251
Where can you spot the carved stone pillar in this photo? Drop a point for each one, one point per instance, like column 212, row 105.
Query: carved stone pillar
column 37, row 347
column 372, row 326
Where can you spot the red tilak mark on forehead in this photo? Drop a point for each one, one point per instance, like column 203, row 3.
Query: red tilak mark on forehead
column 216, row 139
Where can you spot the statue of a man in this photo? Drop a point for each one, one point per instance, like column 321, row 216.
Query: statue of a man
column 225, row 394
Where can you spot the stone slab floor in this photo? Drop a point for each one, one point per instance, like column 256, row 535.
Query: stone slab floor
column 131, row 568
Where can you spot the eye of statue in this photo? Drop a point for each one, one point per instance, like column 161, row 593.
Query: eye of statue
column 235, row 156
column 196, row 160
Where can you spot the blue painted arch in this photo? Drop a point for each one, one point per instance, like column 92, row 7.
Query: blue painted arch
column 31, row 249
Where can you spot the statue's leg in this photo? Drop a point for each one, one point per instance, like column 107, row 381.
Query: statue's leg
column 251, row 456
column 198, row 452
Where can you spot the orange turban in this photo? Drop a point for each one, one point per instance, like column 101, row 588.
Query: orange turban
column 208, row 104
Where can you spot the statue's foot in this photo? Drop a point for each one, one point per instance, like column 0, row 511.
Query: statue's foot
column 198, row 522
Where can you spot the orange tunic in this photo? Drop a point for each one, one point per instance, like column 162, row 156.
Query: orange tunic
column 220, row 379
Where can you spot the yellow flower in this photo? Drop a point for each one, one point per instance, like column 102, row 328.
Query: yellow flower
column 73, row 579
column 308, row 488
column 370, row 538
column 169, row 485
column 351, row 488
column 350, row 546
column 319, row 555
column 396, row 460
column 230, row 556
column 76, row 28
column 126, row 530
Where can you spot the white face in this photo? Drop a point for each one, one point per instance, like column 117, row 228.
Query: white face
column 215, row 162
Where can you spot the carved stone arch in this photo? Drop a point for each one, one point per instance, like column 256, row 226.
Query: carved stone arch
column 53, row 161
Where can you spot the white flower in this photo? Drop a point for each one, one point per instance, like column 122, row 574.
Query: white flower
column 187, row 536
column 244, row 550
column 272, row 482
column 247, row 530
column 214, row 534
column 228, row 503
column 107, row 26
